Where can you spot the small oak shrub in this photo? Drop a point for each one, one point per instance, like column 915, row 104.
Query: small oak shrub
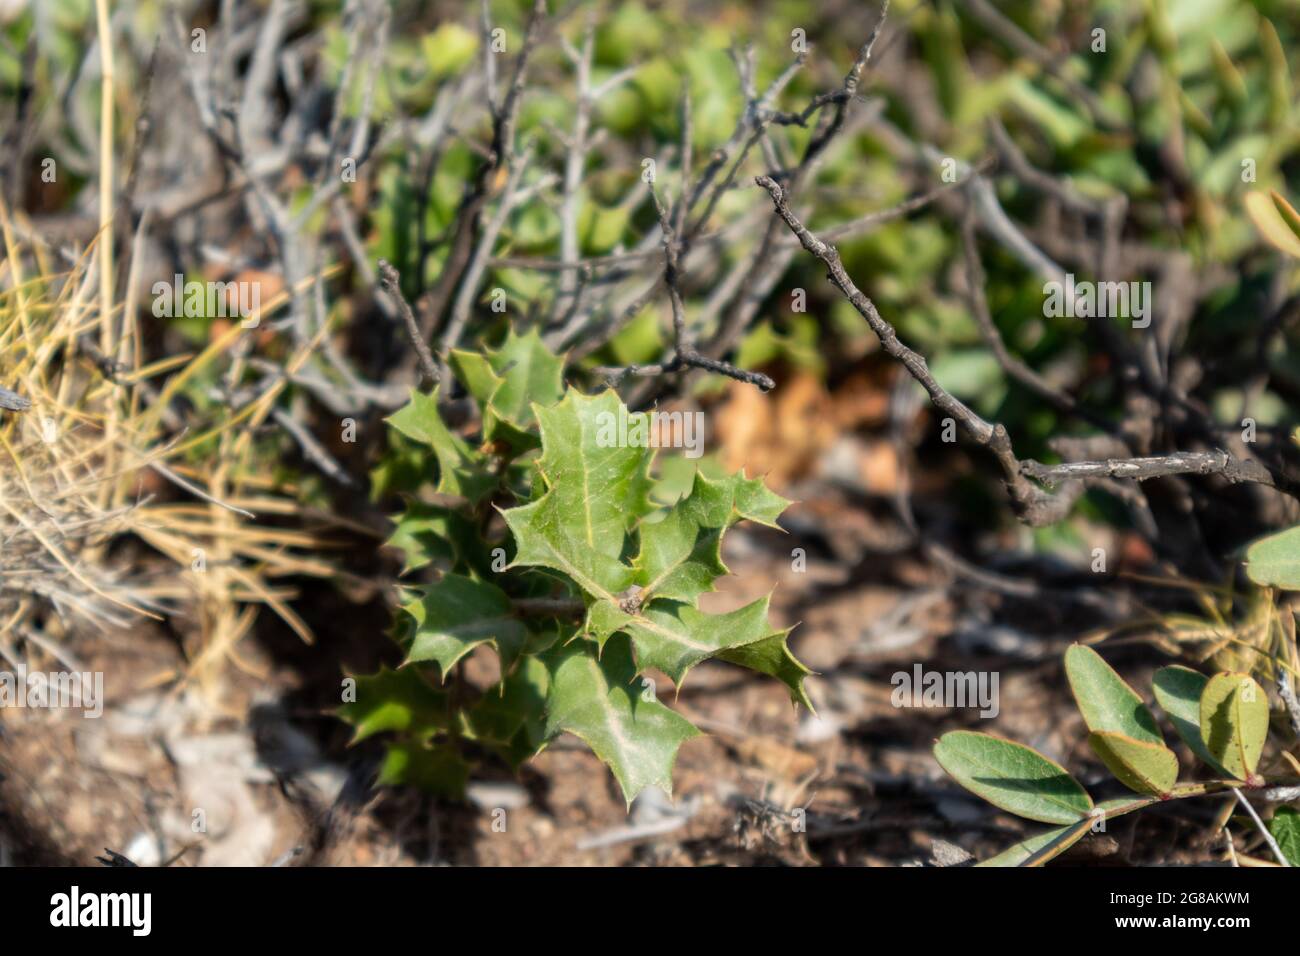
column 553, row 543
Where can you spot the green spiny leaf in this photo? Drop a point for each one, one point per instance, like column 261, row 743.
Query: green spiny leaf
column 674, row 637
column 530, row 375
column 423, row 535
column 752, row 499
column 772, row 656
column 510, row 718
column 400, row 700
column 585, row 515
column 456, row 615
column 436, row 768
column 1013, row 777
column 1234, row 722
column 426, row 533
column 595, row 491
column 681, row 555
column 1107, row 703
column 598, row 699
column 506, row 382
column 460, row 471
column 476, row 373
column 1140, row 765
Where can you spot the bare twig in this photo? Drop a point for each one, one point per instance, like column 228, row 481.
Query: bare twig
column 196, row 491
column 512, row 197
column 1287, row 693
column 390, row 282
column 548, row 607
column 1015, row 368
column 1032, row 504
column 1280, row 794
column 684, row 354
column 499, row 159
column 13, row 402
column 1141, row 469
column 1263, row 830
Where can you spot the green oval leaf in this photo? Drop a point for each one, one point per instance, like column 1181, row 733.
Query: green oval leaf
column 1141, row 766
column 1274, row 561
column 1012, row 777
column 1107, row 703
column 1178, row 691
column 1234, row 722
column 1042, row 847
column 1049, row 844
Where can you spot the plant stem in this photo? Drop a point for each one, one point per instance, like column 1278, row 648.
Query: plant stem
column 1268, row 837
column 105, row 239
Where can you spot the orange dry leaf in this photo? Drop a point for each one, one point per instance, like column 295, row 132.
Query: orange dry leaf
column 779, row 434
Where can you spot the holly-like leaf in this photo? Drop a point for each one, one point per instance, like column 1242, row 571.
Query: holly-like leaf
column 460, row 471
column 434, row 767
column 456, row 615
column 510, row 718
column 1013, row 777
column 506, row 382
column 674, row 637
column 1140, row 765
column 588, row 519
column 1285, row 827
column 598, row 698
column 681, row 556
column 423, row 535
column 1178, row 691
column 1234, row 722
column 772, row 656
column 1274, row 561
column 754, row 501
column 596, row 489
column 428, row 533
column 478, row 376
column 530, row 375
column 1108, row 704
column 400, row 700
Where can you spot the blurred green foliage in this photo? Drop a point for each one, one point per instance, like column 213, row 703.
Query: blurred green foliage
column 1186, row 91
